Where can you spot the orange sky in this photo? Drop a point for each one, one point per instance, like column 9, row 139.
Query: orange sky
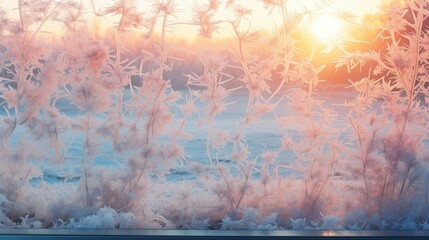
column 260, row 18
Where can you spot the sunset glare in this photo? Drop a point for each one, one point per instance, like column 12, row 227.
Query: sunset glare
column 260, row 15
column 327, row 28
column 256, row 116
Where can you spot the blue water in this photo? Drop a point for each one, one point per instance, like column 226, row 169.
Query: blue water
column 264, row 135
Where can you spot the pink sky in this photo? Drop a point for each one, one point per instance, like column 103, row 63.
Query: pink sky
column 259, row 17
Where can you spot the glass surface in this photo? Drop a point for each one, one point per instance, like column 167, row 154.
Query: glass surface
column 219, row 118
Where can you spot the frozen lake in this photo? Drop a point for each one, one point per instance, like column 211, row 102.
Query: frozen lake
column 263, row 135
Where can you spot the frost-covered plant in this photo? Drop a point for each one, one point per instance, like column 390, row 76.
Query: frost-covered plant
column 30, row 72
column 316, row 151
column 390, row 137
column 212, row 80
column 83, row 98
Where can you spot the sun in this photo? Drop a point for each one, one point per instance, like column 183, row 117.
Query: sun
column 327, row 28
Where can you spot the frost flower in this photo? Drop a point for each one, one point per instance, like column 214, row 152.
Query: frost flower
column 221, row 138
column 189, row 107
column 10, row 96
column 96, row 55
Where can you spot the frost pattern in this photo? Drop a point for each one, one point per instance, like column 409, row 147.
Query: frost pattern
column 136, row 129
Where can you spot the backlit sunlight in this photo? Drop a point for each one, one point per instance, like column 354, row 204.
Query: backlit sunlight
column 214, row 115
column 327, row 28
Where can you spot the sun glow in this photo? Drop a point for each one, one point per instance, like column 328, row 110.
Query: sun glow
column 327, row 28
